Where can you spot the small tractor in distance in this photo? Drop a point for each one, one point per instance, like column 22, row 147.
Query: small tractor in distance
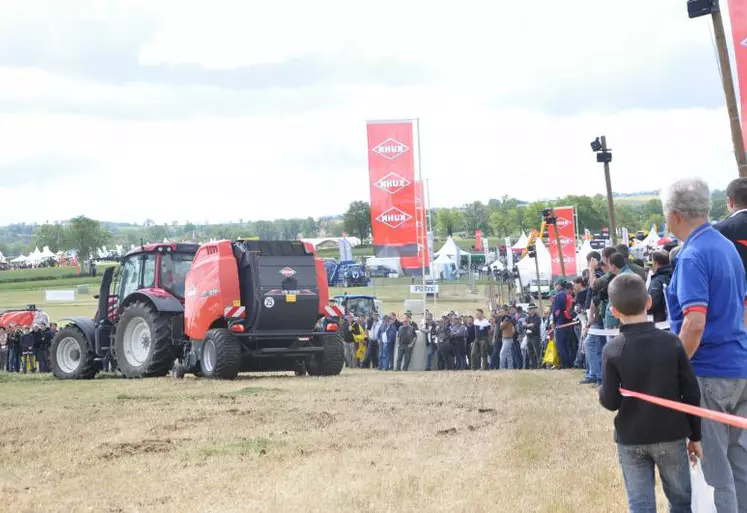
column 217, row 309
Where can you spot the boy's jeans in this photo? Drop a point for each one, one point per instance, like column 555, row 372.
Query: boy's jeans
column 639, row 462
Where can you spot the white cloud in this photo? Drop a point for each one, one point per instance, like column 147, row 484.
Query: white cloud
column 272, row 153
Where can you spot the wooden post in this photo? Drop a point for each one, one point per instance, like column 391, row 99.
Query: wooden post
column 727, row 81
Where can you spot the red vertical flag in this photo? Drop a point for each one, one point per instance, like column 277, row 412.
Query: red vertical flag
column 478, row 240
column 738, row 16
column 567, row 230
column 391, row 168
column 422, row 229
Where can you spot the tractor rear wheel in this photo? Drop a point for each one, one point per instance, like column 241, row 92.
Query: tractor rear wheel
column 221, row 355
column 143, row 342
column 331, row 361
column 71, row 355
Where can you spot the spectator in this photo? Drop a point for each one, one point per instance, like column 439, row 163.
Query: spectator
column 459, row 341
column 3, row 349
column 397, row 325
column 659, row 280
column 495, row 357
column 651, row 361
column 480, row 348
column 579, row 290
column 39, row 352
column 406, row 336
column 372, row 350
column 706, row 308
column 469, row 323
column 388, row 338
column 734, row 227
column 431, row 342
column 27, row 350
column 14, row 348
column 618, row 265
column 594, row 343
column 534, row 342
column 518, row 316
column 349, row 340
column 624, row 250
column 561, row 313
column 445, row 347
column 508, row 332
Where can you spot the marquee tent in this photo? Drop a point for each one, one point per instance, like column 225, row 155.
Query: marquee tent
column 443, row 266
column 522, row 242
column 527, row 268
column 450, row 249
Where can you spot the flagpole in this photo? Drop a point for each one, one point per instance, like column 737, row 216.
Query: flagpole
column 430, row 253
column 421, row 248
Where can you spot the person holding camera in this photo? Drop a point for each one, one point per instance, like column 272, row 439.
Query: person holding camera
column 508, row 331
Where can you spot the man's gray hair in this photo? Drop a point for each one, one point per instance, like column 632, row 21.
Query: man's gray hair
column 689, row 197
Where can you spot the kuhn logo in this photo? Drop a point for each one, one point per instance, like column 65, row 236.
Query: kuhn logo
column 392, row 183
column 390, row 149
column 287, row 272
column 563, row 222
column 565, row 241
column 393, row 217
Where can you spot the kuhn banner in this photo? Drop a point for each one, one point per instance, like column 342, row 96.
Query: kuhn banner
column 738, row 16
column 567, row 231
column 391, row 168
column 422, row 226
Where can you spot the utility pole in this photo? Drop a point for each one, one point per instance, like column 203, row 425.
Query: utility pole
column 696, row 9
column 727, row 80
column 604, row 155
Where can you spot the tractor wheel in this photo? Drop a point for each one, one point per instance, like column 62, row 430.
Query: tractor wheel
column 331, row 361
column 143, row 342
column 221, row 355
column 72, row 357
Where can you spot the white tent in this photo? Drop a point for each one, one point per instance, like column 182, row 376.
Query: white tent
column 581, row 264
column 450, row 249
column 443, row 265
column 18, row 260
column 527, row 268
column 522, row 242
column 497, row 265
column 2, row 258
column 47, row 253
column 652, row 239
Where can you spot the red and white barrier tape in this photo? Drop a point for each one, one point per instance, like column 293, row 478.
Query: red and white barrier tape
column 723, row 418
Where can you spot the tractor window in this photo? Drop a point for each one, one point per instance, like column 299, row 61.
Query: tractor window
column 149, row 271
column 130, row 277
column 174, row 268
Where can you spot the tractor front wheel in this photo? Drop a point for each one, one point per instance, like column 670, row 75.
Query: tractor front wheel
column 143, row 342
column 221, row 355
column 329, row 362
column 71, row 355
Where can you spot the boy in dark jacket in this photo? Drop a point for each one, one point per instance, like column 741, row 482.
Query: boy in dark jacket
column 661, row 278
column 651, row 361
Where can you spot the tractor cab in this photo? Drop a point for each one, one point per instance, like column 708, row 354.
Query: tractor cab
column 359, row 305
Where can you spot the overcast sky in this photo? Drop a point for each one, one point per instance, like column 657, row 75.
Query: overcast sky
column 172, row 110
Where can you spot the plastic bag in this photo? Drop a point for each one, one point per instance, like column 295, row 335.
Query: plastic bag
column 551, row 358
column 702, row 498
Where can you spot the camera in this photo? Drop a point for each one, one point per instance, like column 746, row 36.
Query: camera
column 596, row 145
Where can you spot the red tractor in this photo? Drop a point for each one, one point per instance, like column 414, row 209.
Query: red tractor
column 217, row 310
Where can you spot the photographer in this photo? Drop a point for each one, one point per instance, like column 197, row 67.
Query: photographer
column 459, row 341
column 507, row 324
column 532, row 325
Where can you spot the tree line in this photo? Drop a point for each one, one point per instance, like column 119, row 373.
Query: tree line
column 504, row 217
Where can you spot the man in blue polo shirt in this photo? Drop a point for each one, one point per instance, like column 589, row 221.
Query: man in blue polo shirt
column 706, row 305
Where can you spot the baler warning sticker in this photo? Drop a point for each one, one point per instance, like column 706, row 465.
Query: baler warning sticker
column 269, row 302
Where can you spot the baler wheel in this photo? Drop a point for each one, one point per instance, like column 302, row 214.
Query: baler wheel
column 331, row 361
column 221, row 355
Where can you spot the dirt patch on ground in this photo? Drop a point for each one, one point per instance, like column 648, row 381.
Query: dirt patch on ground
column 122, row 450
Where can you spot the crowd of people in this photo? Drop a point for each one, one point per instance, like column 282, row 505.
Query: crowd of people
column 26, row 349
